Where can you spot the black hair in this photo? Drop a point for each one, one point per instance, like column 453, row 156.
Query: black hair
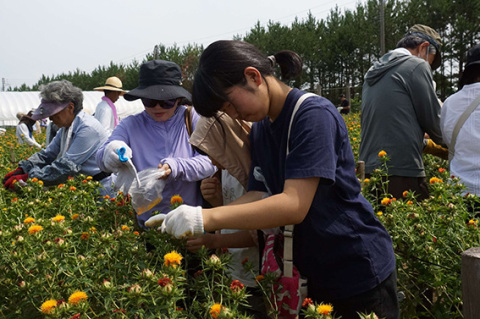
column 470, row 75
column 410, row 42
column 222, row 64
column 199, row 151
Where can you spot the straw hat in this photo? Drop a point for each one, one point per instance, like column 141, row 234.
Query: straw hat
column 112, row 84
column 20, row 115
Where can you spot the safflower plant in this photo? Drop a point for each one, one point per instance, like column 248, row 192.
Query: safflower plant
column 66, row 252
column 428, row 238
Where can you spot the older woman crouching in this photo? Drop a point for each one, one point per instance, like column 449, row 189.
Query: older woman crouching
column 73, row 149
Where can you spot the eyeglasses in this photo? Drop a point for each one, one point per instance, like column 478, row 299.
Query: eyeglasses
column 165, row 104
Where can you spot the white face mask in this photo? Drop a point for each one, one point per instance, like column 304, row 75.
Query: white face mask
column 426, row 55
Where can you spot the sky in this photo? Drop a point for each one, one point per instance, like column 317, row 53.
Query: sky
column 51, row 37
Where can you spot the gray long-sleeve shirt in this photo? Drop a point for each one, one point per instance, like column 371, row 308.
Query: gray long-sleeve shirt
column 399, row 106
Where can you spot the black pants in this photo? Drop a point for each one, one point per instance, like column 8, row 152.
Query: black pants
column 398, row 184
column 382, row 300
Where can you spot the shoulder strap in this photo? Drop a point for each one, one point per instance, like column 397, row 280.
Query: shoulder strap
column 459, row 124
column 188, row 120
column 295, row 109
column 288, row 231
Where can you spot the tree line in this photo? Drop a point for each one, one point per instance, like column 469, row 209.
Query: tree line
column 336, row 51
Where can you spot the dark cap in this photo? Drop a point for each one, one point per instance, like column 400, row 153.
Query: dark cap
column 430, row 35
column 473, row 58
column 159, row 80
column 47, row 109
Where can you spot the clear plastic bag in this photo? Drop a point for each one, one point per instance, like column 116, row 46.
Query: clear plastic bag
column 148, row 192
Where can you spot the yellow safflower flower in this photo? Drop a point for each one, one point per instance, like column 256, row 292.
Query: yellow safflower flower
column 366, row 180
column 48, row 306
column 77, row 297
column 324, row 309
column 380, row 213
column 382, row 153
column 172, row 259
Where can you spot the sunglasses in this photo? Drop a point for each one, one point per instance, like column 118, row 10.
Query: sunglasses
column 165, row 104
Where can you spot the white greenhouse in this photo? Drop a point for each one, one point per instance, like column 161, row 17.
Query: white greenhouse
column 13, row 102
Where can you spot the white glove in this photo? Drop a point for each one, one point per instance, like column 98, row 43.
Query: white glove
column 180, row 222
column 111, row 159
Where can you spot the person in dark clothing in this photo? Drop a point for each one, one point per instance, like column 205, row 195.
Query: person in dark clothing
column 344, row 105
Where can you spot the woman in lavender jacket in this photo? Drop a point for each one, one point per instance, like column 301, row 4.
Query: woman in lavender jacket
column 158, row 137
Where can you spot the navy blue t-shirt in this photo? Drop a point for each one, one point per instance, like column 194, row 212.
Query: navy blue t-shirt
column 340, row 246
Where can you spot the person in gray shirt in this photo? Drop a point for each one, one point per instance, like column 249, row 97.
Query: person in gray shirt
column 399, row 106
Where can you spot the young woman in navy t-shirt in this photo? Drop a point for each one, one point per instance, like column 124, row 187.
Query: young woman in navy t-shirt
column 339, row 245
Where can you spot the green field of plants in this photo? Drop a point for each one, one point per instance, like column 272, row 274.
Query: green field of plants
column 65, row 252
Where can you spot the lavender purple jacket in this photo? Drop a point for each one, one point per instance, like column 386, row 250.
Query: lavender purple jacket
column 155, row 142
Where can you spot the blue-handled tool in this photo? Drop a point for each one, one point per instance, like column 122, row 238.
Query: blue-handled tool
column 121, row 154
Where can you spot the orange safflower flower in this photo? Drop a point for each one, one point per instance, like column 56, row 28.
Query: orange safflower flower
column 307, row 302
column 176, row 199
column 75, row 216
column 34, row 179
column 405, row 194
column 441, row 170
column 29, row 220
column 385, row 201
column 61, row 185
column 434, row 180
column 382, row 154
column 73, row 188
column 58, row 218
column 34, row 229
column 215, row 310
column 125, row 227
column 77, row 297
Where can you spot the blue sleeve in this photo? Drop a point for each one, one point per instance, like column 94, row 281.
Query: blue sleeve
column 49, row 169
column 44, row 157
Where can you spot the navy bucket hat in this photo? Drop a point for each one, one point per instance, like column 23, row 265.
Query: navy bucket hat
column 159, row 80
